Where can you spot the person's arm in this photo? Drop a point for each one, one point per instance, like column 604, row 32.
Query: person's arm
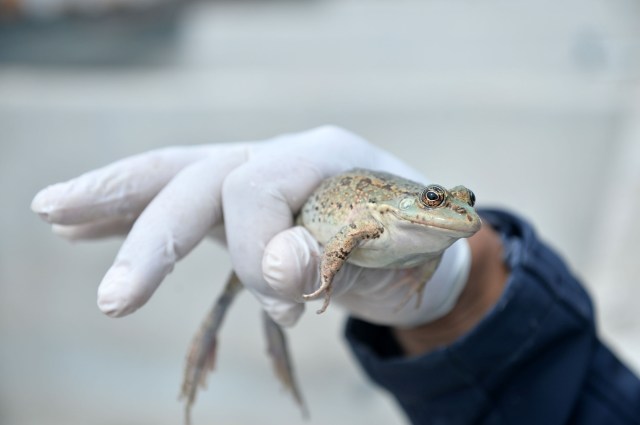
column 484, row 287
column 533, row 357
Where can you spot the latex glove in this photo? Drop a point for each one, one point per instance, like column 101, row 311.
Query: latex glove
column 168, row 200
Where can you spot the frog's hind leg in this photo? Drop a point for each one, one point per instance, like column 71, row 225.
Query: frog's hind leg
column 281, row 360
column 201, row 357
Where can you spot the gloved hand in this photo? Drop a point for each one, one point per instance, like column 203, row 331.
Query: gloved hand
column 168, row 200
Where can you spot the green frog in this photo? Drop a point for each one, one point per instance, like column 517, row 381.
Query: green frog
column 367, row 218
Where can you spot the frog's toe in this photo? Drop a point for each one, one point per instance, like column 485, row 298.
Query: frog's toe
column 315, row 294
column 312, row 296
column 326, row 288
column 325, row 304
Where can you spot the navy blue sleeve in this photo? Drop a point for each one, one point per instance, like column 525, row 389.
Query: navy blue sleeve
column 534, row 359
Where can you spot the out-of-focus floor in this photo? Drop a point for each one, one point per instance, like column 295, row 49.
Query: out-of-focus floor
column 530, row 104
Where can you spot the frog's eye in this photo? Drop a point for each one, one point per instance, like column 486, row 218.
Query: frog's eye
column 433, row 196
column 472, row 198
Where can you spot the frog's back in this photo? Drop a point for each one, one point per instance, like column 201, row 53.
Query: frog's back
column 341, row 199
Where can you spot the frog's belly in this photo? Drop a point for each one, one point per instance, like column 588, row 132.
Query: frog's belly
column 388, row 259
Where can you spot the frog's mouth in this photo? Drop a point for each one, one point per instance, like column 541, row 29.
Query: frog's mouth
column 462, row 231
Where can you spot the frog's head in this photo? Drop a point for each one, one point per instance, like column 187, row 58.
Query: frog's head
column 444, row 211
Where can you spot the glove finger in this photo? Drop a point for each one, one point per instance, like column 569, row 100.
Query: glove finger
column 122, row 188
column 291, row 265
column 177, row 219
column 118, row 226
column 283, row 312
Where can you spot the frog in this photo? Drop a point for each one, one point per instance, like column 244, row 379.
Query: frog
column 367, row 218
column 378, row 220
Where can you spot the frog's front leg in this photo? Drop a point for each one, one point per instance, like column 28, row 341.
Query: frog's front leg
column 337, row 251
column 417, row 279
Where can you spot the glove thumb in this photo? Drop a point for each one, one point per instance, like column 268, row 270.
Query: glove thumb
column 290, row 264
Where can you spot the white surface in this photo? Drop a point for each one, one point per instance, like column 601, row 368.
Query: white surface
column 526, row 103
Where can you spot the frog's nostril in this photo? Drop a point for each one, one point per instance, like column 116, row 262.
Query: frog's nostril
column 460, row 210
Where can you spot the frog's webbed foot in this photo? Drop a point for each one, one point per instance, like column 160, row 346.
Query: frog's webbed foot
column 281, row 360
column 201, row 357
column 337, row 251
column 417, row 280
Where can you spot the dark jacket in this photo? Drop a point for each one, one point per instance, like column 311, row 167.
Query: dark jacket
column 534, row 359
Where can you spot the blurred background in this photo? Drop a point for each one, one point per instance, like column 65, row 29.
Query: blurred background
column 535, row 105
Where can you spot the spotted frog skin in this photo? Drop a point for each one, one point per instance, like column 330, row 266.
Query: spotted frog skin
column 367, row 218
column 379, row 220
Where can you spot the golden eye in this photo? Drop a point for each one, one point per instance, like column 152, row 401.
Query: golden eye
column 433, row 196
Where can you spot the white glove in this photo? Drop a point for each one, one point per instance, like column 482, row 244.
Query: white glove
column 168, row 200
